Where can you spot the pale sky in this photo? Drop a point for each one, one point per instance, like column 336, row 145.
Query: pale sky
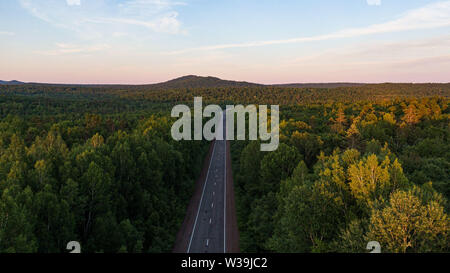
column 264, row 41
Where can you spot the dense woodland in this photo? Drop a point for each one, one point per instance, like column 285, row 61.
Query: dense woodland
column 97, row 164
column 346, row 174
column 94, row 169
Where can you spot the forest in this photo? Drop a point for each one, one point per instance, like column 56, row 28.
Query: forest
column 97, row 164
column 95, row 169
column 347, row 174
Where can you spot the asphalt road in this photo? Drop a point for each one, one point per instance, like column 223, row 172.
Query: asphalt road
column 208, row 234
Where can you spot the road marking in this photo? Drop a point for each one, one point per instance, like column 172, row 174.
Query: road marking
column 225, row 206
column 214, row 193
column 225, row 193
column 201, row 199
column 210, row 221
column 212, row 205
column 207, row 242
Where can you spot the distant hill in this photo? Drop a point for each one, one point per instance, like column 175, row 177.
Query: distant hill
column 192, row 81
column 10, row 82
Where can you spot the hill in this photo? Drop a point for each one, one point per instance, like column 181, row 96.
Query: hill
column 10, row 82
column 198, row 82
column 192, row 81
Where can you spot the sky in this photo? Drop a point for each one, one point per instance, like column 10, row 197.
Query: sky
column 263, row 41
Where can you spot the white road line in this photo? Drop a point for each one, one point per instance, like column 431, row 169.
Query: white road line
column 225, row 201
column 201, row 199
column 207, row 242
column 214, row 193
column 212, row 205
column 210, row 221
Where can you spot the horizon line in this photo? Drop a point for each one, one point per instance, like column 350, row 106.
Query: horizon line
column 241, row 81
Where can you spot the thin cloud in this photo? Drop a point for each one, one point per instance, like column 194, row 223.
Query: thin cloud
column 374, row 2
column 405, row 49
column 430, row 16
column 167, row 23
column 63, row 48
column 73, row 2
column 8, row 33
column 154, row 15
column 427, row 57
column 148, row 7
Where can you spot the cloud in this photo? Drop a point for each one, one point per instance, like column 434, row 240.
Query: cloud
column 383, row 51
column 73, row 2
column 167, row 23
column 63, row 48
column 374, row 2
column 154, row 15
column 430, row 16
column 424, row 59
column 8, row 33
column 148, row 7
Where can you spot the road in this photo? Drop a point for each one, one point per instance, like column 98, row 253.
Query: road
column 209, row 230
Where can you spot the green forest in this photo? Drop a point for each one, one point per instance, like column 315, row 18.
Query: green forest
column 91, row 168
column 97, row 164
column 347, row 174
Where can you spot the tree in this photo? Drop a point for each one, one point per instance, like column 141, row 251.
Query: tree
column 54, row 223
column 340, row 121
column 411, row 116
column 17, row 221
column 308, row 145
column 310, row 219
column 95, row 187
column 372, row 182
column 353, row 133
column 277, row 166
column 409, row 225
column 260, row 222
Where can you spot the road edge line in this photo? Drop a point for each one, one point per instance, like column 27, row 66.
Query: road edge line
column 201, row 199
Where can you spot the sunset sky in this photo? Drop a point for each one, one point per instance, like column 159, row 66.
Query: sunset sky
column 264, row 41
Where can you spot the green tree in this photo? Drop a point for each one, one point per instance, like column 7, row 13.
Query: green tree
column 408, row 224
column 17, row 221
